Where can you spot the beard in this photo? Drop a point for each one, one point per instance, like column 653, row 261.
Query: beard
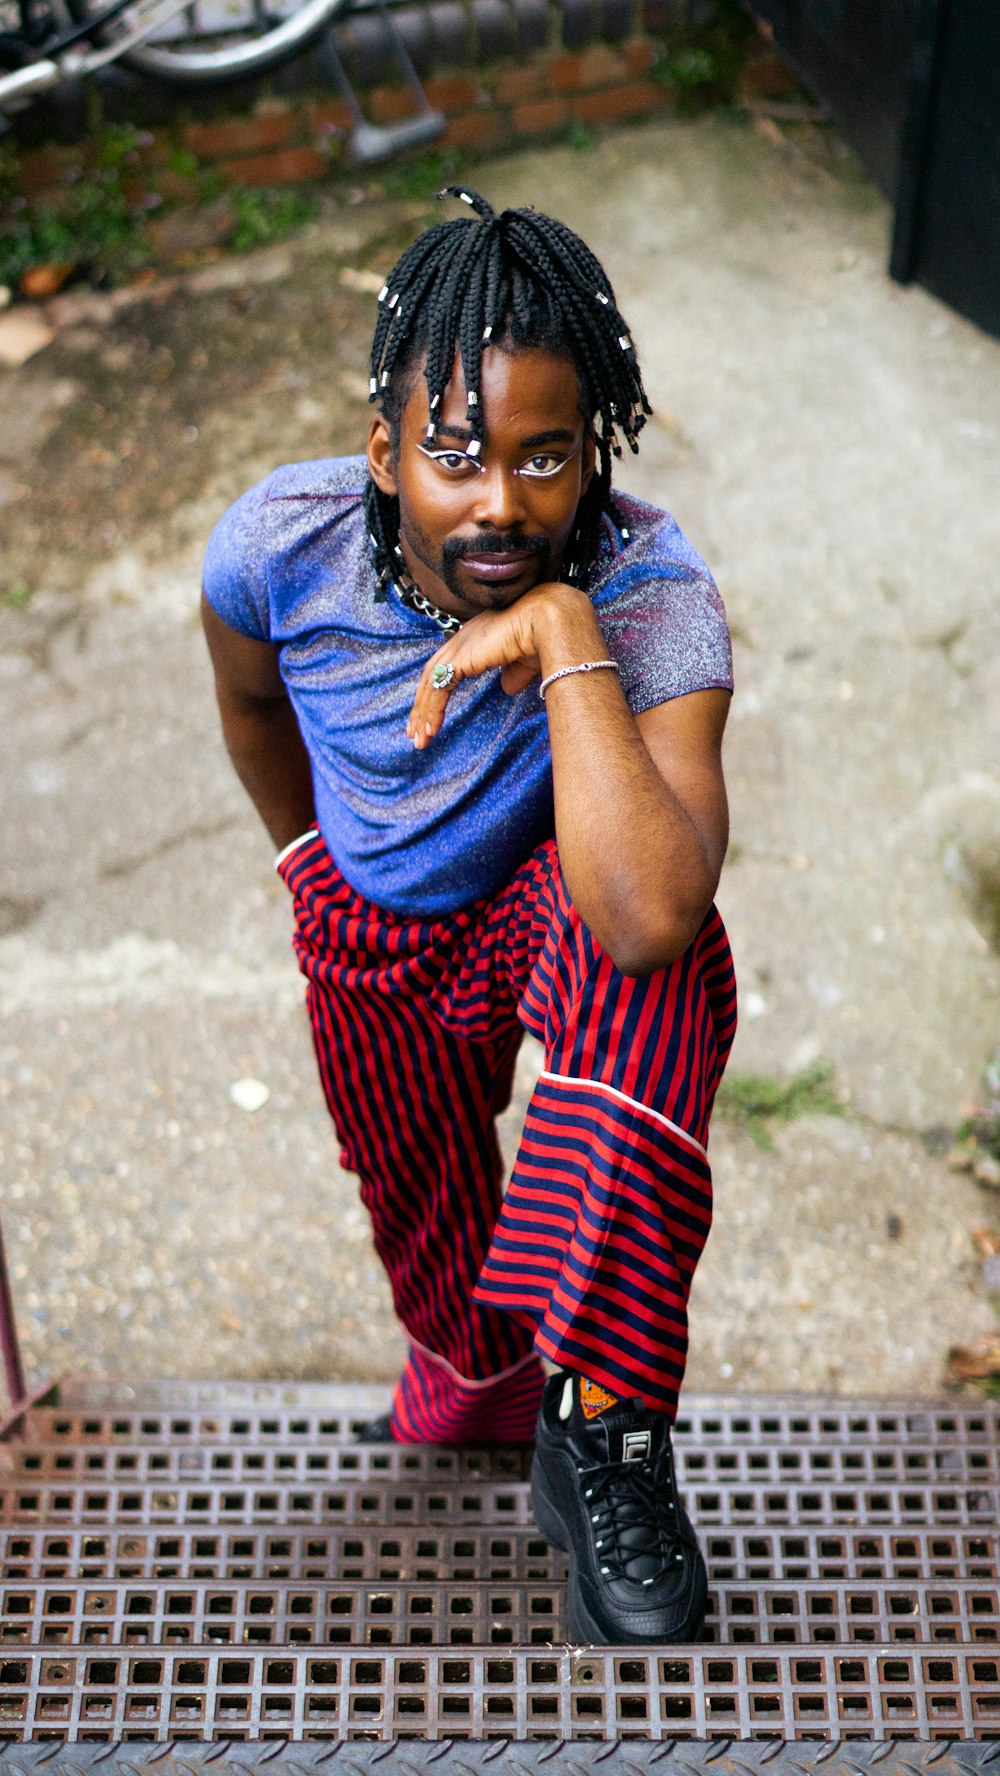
column 445, row 561
column 491, row 542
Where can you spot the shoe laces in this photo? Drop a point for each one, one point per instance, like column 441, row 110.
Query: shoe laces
column 633, row 1510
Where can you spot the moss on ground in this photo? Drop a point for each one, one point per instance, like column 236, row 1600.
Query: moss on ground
column 755, row 1102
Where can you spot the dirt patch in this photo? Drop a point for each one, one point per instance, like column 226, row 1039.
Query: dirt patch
column 172, row 396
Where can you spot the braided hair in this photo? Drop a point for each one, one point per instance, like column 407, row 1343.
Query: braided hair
column 517, row 279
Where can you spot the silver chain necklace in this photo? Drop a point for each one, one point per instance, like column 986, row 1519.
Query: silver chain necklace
column 444, row 619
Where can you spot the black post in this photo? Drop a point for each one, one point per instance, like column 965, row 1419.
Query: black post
column 924, row 68
column 13, row 1368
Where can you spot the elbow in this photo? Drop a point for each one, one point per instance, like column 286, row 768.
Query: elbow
column 638, row 960
column 641, row 948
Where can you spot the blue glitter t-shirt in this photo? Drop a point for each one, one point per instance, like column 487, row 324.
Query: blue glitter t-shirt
column 424, row 833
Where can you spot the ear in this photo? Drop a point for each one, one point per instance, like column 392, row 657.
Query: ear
column 381, row 465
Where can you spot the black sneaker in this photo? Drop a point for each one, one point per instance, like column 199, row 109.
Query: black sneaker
column 603, row 1490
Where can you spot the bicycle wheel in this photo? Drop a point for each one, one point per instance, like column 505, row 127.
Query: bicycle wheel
column 217, row 40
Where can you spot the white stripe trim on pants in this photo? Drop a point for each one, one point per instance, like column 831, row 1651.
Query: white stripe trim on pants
column 622, row 1097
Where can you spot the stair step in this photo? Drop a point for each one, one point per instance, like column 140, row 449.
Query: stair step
column 90, row 1393
column 433, row 1502
column 768, row 1755
column 118, row 1691
column 225, row 1561
column 474, row 1612
column 325, row 1410
column 283, row 1465
column 751, row 1553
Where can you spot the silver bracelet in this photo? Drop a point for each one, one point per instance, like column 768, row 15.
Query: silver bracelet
column 567, row 672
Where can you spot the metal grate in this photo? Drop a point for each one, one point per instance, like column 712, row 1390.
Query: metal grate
column 834, row 1692
column 209, row 1562
column 415, row 1501
column 776, row 1466
column 256, row 1553
column 234, row 1411
column 471, row 1614
column 755, row 1553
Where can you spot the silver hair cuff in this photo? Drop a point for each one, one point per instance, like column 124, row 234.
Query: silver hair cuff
column 568, row 671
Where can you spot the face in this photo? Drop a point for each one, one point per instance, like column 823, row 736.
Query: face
column 477, row 535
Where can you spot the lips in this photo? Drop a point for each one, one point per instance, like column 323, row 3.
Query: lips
column 494, row 568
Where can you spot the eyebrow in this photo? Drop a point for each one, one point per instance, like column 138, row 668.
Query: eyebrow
column 558, row 435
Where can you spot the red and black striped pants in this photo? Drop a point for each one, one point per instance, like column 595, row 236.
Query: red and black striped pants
column 588, row 1257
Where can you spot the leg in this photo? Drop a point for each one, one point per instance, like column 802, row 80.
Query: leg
column 610, row 1201
column 602, row 1226
column 414, row 1106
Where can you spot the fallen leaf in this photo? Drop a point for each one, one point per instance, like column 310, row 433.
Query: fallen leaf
column 45, row 280
column 986, row 1241
column 230, row 1323
column 974, row 1362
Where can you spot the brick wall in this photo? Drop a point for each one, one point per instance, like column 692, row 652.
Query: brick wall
column 502, row 73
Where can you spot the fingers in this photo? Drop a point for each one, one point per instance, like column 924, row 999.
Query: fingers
column 491, row 639
column 437, row 681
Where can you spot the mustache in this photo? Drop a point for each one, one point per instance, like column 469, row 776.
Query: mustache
column 494, row 542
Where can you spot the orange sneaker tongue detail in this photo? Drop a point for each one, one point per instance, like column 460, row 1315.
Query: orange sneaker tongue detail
column 593, row 1399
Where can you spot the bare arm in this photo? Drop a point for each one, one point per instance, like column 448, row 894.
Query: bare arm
column 260, row 730
column 641, row 815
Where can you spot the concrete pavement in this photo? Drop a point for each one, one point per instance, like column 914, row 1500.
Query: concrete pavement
column 830, row 443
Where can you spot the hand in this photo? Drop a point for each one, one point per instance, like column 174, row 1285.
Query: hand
column 513, row 639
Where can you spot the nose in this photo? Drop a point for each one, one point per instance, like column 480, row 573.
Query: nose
column 500, row 503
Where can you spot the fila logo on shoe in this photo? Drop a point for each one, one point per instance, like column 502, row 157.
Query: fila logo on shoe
column 635, row 1446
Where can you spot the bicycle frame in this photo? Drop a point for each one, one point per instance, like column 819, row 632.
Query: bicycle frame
column 61, row 59
column 76, row 33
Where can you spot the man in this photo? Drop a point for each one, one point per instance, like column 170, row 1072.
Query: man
column 469, row 857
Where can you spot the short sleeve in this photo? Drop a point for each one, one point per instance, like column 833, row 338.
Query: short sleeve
column 234, row 576
column 659, row 609
column 669, row 637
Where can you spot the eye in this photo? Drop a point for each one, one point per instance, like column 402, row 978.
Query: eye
column 453, row 462
column 539, row 467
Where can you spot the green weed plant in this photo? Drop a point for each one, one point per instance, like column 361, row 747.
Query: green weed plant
column 701, row 66
column 18, row 596
column 93, row 226
column 755, row 1102
column 265, row 217
column 414, row 180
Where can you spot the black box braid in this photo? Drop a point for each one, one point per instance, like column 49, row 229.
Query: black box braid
column 520, row 279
